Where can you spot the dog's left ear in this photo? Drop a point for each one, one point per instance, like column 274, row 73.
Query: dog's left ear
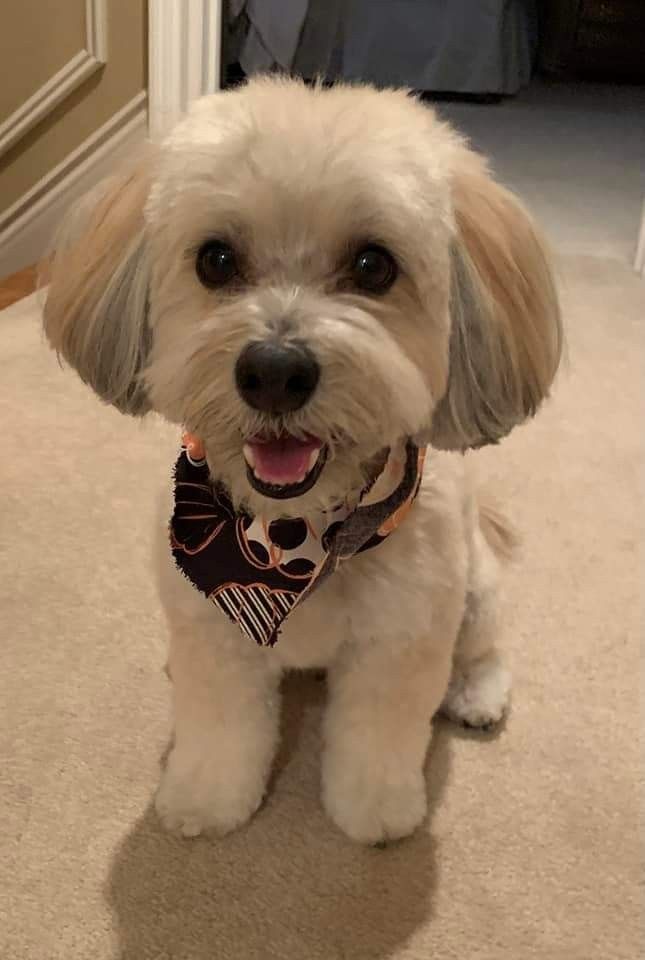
column 506, row 333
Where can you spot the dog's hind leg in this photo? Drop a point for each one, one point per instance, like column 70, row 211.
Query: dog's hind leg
column 480, row 685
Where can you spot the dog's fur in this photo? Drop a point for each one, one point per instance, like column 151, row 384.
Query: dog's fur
column 463, row 347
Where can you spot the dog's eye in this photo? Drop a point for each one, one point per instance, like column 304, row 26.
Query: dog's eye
column 374, row 269
column 216, row 263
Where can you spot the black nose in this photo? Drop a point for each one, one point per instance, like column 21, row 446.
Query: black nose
column 276, row 377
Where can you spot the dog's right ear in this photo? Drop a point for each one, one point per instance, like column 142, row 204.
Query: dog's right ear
column 95, row 313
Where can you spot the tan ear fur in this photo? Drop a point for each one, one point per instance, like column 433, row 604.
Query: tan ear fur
column 95, row 313
column 506, row 336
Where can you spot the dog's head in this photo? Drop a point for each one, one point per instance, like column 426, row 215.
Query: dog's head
column 302, row 277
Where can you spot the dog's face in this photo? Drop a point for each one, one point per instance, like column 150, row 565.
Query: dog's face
column 303, row 277
column 300, row 268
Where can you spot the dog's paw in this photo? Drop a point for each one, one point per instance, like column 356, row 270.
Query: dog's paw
column 479, row 694
column 370, row 806
column 199, row 797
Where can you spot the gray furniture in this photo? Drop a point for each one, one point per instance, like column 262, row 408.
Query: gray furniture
column 460, row 46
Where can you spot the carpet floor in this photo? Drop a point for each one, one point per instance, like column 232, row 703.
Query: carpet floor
column 532, row 846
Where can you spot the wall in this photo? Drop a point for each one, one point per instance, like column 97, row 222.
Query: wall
column 38, row 40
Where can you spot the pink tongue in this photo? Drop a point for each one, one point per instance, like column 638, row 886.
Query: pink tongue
column 283, row 461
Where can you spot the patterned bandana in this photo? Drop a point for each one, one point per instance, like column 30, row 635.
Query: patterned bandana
column 255, row 570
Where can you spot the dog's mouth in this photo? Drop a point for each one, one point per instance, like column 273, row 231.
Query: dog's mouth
column 284, row 467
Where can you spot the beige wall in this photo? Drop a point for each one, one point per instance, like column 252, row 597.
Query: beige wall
column 37, row 38
column 34, row 45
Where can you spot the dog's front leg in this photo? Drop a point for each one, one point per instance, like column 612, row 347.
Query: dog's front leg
column 382, row 697
column 226, row 712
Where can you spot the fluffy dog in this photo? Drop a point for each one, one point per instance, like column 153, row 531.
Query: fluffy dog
column 308, row 279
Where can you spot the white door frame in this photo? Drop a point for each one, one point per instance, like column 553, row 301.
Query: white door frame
column 639, row 262
column 184, row 57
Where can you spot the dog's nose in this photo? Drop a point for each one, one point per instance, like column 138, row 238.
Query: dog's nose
column 276, row 377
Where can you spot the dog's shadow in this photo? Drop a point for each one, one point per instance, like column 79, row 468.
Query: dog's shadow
column 289, row 885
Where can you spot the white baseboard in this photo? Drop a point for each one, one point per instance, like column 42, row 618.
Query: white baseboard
column 26, row 227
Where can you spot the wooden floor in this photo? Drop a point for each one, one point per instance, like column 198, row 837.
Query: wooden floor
column 17, row 286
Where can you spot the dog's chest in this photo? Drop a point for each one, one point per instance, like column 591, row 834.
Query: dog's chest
column 313, row 634
column 383, row 593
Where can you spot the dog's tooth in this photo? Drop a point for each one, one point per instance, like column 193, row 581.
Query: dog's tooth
column 249, row 456
column 313, row 460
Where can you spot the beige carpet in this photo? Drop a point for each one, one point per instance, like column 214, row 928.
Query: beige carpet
column 532, row 848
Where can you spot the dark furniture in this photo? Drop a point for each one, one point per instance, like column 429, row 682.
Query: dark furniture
column 604, row 39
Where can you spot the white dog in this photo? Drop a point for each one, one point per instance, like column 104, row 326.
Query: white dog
column 316, row 284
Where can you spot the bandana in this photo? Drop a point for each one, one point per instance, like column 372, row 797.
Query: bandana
column 256, row 571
